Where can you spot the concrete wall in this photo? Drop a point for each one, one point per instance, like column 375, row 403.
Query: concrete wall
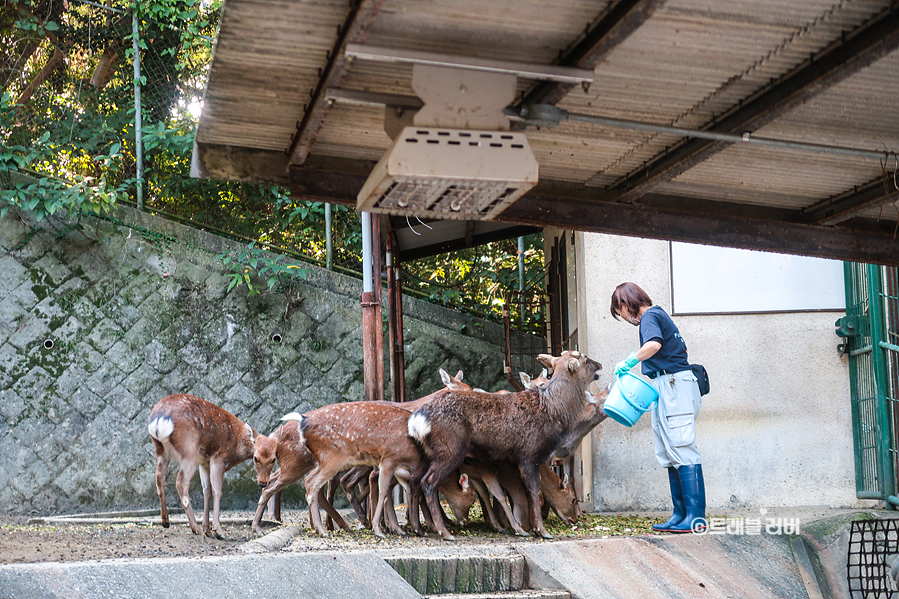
column 138, row 308
column 776, row 428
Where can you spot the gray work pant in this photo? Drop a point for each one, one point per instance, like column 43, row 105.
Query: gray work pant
column 674, row 419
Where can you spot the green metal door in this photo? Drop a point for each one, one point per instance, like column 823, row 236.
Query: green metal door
column 871, row 328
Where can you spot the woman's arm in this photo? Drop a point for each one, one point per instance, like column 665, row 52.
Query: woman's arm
column 648, row 350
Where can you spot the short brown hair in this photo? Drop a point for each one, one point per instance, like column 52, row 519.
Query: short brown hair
column 631, row 297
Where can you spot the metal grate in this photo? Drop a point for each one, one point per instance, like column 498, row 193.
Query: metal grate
column 450, row 173
column 870, row 543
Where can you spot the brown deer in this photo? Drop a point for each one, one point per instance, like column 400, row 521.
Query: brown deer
column 557, row 493
column 591, row 415
column 523, row 428
column 199, row 434
column 294, row 462
column 533, row 383
column 367, row 433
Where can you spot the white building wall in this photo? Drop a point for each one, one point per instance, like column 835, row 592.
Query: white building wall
column 774, row 431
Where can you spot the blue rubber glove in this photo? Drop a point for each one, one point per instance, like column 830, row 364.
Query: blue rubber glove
column 626, row 364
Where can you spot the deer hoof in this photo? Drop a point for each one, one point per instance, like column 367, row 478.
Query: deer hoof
column 214, row 534
column 545, row 534
column 165, row 524
column 521, row 533
column 449, row 537
column 380, row 534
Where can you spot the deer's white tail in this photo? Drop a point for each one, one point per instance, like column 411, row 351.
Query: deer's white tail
column 419, row 427
column 161, row 427
column 299, row 418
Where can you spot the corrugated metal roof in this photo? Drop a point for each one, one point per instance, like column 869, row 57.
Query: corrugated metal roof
column 798, row 70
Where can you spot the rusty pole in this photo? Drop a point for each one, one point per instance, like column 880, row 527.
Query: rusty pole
column 397, row 295
column 371, row 322
column 378, row 316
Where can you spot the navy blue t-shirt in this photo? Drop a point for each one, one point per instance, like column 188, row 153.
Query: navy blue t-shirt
column 656, row 325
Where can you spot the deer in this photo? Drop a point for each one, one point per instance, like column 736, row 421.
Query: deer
column 199, row 434
column 368, row 433
column 523, row 428
column 294, row 461
column 533, row 383
column 459, row 497
column 557, row 493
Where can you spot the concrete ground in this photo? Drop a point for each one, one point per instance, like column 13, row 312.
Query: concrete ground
column 739, row 557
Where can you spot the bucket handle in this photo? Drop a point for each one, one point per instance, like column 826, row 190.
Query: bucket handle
column 635, row 406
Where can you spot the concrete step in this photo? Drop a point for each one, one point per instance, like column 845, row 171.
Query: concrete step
column 462, row 573
column 523, row 594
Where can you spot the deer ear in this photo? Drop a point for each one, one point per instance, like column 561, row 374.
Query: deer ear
column 445, row 377
column 546, row 360
column 459, row 376
column 565, row 482
column 525, row 380
column 543, row 374
column 573, row 365
column 463, row 482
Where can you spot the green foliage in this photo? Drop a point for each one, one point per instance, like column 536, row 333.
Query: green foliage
column 69, row 146
column 479, row 278
column 253, row 263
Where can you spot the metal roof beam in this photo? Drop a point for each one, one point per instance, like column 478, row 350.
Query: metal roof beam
column 622, row 19
column 843, row 207
column 861, row 48
column 354, row 28
column 570, row 206
column 871, row 246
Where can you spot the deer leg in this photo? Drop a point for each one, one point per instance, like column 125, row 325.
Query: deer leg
column 332, row 491
column 162, row 467
column 216, row 476
column 492, row 483
column 432, row 480
column 374, row 491
column 274, row 507
column 204, row 484
column 182, row 485
column 390, row 509
column 314, row 481
column 486, row 507
column 413, row 509
column 271, row 491
column 353, row 477
column 513, row 486
column 332, row 513
column 531, row 477
column 385, row 475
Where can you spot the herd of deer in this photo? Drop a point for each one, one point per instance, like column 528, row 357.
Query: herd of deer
column 459, row 441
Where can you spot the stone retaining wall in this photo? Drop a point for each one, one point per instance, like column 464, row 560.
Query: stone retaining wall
column 102, row 317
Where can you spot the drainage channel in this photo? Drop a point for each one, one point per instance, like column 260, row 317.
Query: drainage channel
column 470, row 576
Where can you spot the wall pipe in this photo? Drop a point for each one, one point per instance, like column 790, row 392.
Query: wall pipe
column 328, row 249
column 138, row 134
column 547, row 116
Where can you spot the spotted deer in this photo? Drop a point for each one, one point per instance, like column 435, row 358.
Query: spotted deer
column 198, row 434
column 294, row 462
column 344, row 435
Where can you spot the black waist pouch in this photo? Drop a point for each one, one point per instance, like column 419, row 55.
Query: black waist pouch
column 702, row 376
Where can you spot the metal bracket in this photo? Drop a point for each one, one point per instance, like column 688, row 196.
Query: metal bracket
column 847, row 326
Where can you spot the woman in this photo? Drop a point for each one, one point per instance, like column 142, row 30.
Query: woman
column 663, row 353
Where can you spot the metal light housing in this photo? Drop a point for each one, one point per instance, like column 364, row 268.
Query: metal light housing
column 447, row 173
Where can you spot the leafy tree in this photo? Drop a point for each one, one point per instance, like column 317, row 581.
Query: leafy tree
column 67, row 143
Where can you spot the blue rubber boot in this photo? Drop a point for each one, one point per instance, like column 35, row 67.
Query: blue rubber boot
column 680, row 511
column 693, row 489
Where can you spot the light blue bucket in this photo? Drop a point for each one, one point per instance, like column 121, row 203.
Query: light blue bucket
column 629, row 398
